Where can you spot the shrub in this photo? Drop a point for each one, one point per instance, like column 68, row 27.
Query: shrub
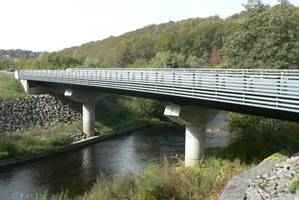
column 259, row 137
column 166, row 181
column 294, row 186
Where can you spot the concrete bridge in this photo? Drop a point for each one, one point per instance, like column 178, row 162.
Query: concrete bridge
column 270, row 93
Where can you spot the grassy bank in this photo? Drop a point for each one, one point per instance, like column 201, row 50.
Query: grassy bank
column 256, row 138
column 9, row 87
column 33, row 141
column 36, row 141
column 165, row 181
column 114, row 114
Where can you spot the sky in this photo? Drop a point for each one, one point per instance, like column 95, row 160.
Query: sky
column 51, row 25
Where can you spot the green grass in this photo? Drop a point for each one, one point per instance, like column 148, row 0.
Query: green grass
column 294, row 186
column 165, row 181
column 9, row 87
column 36, row 141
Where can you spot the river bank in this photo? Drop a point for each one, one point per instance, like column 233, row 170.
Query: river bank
column 34, row 127
column 13, row 151
column 136, row 161
column 150, row 158
column 163, row 181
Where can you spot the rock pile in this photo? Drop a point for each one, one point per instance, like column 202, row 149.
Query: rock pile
column 275, row 178
column 19, row 114
column 275, row 184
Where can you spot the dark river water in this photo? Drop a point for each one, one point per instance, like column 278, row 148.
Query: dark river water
column 77, row 171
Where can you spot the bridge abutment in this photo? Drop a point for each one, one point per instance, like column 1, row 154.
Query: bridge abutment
column 194, row 119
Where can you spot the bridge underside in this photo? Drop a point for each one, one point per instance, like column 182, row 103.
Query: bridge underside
column 238, row 108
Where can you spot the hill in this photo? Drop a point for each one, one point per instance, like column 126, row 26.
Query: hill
column 9, row 58
column 17, row 54
column 260, row 36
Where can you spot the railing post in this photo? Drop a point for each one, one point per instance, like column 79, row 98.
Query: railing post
column 156, row 81
column 173, row 81
column 217, row 83
column 244, row 86
column 193, row 83
column 279, row 88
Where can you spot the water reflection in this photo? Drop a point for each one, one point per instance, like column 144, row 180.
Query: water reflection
column 77, row 171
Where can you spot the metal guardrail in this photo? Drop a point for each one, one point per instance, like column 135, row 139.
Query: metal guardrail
column 272, row 89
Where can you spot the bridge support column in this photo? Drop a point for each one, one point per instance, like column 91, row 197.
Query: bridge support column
column 194, row 119
column 88, row 101
column 25, row 85
column 195, row 139
column 88, row 118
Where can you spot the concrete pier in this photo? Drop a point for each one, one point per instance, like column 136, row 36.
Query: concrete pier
column 25, row 85
column 88, row 118
column 88, row 101
column 195, row 139
column 194, row 119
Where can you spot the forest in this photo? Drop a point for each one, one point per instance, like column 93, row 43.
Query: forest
column 261, row 36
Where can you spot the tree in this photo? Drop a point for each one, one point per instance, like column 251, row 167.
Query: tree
column 168, row 59
column 253, row 4
column 6, row 64
column 284, row 2
column 267, row 38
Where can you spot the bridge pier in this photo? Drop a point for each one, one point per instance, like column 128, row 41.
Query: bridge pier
column 194, row 119
column 88, row 101
column 195, row 141
column 88, row 118
column 25, row 85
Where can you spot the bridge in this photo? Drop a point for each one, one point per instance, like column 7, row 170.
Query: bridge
column 270, row 93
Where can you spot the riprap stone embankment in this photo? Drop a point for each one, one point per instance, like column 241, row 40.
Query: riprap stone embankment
column 44, row 110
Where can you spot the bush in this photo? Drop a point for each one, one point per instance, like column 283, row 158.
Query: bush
column 294, row 186
column 36, row 141
column 166, row 181
column 258, row 137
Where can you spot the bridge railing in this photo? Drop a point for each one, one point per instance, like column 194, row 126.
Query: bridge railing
column 274, row 89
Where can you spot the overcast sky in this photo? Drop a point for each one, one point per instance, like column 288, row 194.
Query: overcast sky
column 49, row 25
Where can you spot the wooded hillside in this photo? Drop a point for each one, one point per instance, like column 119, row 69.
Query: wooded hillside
column 260, row 36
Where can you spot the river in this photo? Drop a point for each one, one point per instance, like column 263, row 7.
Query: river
column 77, row 171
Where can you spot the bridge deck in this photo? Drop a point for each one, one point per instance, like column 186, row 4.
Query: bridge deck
column 270, row 89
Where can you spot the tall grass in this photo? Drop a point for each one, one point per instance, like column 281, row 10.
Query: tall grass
column 37, row 140
column 9, row 87
column 163, row 182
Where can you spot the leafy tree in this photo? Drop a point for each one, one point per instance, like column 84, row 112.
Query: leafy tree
column 194, row 61
column 259, row 37
column 254, row 4
column 6, row 64
column 267, row 38
column 168, row 59
column 284, row 2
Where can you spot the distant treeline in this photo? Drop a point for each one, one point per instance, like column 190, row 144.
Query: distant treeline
column 260, row 36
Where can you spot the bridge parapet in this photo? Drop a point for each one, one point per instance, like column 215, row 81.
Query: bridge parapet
column 271, row 89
